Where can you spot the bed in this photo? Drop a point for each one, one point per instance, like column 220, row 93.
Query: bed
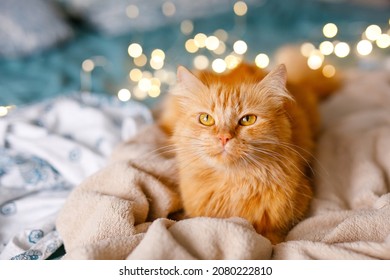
column 81, row 176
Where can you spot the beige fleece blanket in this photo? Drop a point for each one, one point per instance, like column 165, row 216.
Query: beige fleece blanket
column 129, row 210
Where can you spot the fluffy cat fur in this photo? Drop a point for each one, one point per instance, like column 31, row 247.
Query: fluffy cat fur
column 259, row 172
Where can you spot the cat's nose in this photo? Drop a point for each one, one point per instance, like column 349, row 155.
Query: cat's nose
column 224, row 138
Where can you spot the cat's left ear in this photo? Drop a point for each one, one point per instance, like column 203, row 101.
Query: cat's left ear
column 189, row 80
column 275, row 83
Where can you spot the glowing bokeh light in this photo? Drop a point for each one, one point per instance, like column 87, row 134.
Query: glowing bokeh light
column 135, row 75
column 145, row 84
column 329, row 71
column 240, row 47
column 232, row 61
column 124, row 95
column 315, row 61
column 221, row 48
column 326, row 48
column 212, row 43
column 306, row 49
column 88, row 65
column 168, row 9
column 186, row 27
column 383, row 41
column 154, row 91
column 135, row 50
column 364, row 47
column 373, row 32
column 341, row 49
column 330, row 30
column 200, row 40
column 221, row 35
column 139, row 93
column 3, row 111
column 219, row 65
column 132, row 11
column 140, row 60
column 191, row 46
column 201, row 62
column 262, row 60
column 240, row 8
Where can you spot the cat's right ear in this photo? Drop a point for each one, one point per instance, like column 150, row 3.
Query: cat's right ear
column 188, row 80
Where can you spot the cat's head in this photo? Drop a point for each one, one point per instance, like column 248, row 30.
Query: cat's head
column 230, row 123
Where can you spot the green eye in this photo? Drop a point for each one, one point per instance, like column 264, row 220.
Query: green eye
column 206, row 119
column 247, row 120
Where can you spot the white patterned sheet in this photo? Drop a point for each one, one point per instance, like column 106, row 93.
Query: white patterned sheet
column 46, row 149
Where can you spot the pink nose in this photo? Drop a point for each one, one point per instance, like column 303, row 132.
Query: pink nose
column 224, row 138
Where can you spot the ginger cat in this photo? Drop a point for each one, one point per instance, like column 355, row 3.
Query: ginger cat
column 243, row 144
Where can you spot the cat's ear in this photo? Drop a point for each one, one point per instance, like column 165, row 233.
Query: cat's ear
column 275, row 83
column 188, row 80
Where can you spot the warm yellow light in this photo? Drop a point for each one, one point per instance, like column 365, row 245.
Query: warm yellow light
column 140, row 60
column 158, row 55
column 186, row 27
column 212, row 43
column 135, row 50
column 132, row 11
column 156, row 64
column 155, row 82
column 201, row 62
column 330, row 30
column 326, row 48
column 315, row 60
column 240, row 47
column 88, row 65
column 168, row 9
column 145, row 84
column 240, row 8
column 135, row 75
column 373, row 32
column 139, row 93
column 262, row 60
column 191, row 46
column 3, row 111
column 200, row 40
column 341, row 49
column 219, row 65
column 306, row 49
column 329, row 71
column 154, row 91
column 147, row 74
column 161, row 75
column 364, row 47
column 221, row 48
column 383, row 41
column 232, row 61
column 124, row 95
column 221, row 35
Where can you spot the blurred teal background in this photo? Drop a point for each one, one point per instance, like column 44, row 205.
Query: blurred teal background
column 268, row 24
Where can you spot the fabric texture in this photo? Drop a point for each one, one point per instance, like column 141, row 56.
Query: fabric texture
column 28, row 26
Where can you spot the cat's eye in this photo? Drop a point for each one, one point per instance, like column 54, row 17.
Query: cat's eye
column 206, row 119
column 247, row 120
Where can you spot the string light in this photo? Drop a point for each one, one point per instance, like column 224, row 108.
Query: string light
column 240, row 47
column 373, row 32
column 186, row 27
column 232, row 61
column 341, row 49
column 88, row 65
column 326, row 48
column 135, row 75
column 315, row 60
column 364, row 47
column 140, row 60
column 144, row 84
column 154, row 91
column 306, row 49
column 132, row 11
column 212, row 43
column 124, row 95
column 383, row 41
column 135, row 50
column 168, row 9
column 191, row 46
column 262, row 60
column 219, row 65
column 139, row 93
column 200, row 40
column 201, row 62
column 330, row 30
column 158, row 55
column 240, row 8
column 329, row 71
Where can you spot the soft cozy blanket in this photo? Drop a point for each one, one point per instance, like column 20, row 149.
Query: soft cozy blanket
column 127, row 209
